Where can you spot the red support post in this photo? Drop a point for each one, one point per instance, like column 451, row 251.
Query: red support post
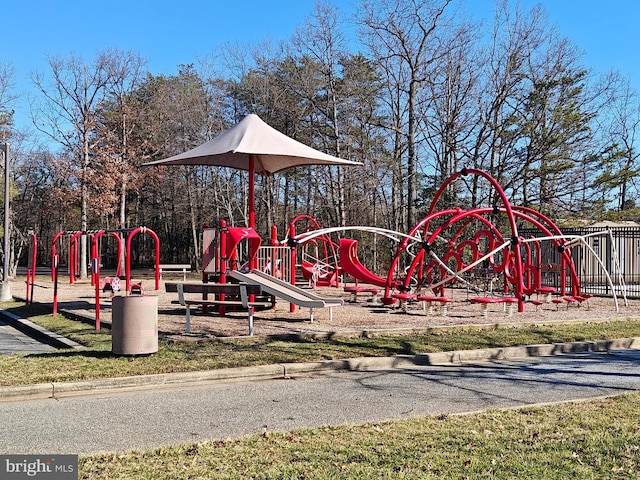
column 95, row 273
column 294, row 255
column 54, row 252
column 251, row 192
column 73, row 256
column 54, row 265
column 223, row 260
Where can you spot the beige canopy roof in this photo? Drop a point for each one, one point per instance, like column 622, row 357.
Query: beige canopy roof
column 272, row 150
column 254, row 146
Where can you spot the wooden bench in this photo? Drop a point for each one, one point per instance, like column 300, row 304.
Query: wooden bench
column 241, row 291
column 180, row 267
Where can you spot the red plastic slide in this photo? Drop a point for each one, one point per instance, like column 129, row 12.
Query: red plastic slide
column 351, row 264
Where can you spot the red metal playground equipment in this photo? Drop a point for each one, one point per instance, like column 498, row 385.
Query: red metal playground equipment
column 95, row 236
column 455, row 244
column 445, row 249
column 451, row 243
column 506, row 253
column 319, row 259
column 452, row 247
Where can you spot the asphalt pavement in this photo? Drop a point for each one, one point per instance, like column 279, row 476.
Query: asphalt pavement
column 13, row 340
column 131, row 419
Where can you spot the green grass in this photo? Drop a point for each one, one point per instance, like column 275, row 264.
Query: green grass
column 588, row 440
column 95, row 360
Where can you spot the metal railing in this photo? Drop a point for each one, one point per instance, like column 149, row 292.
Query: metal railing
column 275, row 261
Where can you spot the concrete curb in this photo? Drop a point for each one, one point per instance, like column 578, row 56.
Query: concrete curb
column 59, row 389
column 288, row 370
column 542, row 350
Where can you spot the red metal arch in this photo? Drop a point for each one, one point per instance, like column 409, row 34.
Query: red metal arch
column 95, row 253
column 513, row 262
column 329, row 249
column 507, row 265
column 430, row 237
column 515, row 244
column 132, row 234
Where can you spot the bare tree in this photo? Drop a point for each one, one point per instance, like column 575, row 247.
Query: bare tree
column 621, row 167
column 171, row 114
column 405, row 38
column 127, row 72
column 321, row 38
column 7, row 99
column 71, row 96
column 115, row 156
column 451, row 113
column 513, row 37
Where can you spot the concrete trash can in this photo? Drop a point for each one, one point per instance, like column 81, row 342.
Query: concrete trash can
column 134, row 325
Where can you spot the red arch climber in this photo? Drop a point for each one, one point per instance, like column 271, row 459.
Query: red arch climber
column 324, row 269
column 132, row 234
column 519, row 266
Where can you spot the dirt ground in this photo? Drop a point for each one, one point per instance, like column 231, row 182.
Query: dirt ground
column 364, row 315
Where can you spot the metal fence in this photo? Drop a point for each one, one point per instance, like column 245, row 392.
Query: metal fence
column 614, row 251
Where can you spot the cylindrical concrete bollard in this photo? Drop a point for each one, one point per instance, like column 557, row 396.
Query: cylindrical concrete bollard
column 5, row 292
column 134, row 325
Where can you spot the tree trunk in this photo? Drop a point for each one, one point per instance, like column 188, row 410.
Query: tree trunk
column 411, row 159
column 192, row 215
column 83, row 228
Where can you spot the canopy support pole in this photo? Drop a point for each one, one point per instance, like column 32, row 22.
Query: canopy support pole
column 251, row 199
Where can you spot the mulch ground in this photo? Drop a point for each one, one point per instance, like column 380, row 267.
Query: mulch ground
column 364, row 315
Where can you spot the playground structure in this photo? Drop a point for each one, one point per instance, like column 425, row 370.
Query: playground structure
column 458, row 246
column 441, row 252
column 236, row 252
column 319, row 262
column 95, row 262
column 478, row 250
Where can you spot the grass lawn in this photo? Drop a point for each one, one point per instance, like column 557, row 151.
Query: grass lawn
column 96, row 361
column 592, row 439
column 588, row 440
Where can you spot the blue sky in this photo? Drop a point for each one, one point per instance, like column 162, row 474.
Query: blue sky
column 171, row 33
column 605, row 30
